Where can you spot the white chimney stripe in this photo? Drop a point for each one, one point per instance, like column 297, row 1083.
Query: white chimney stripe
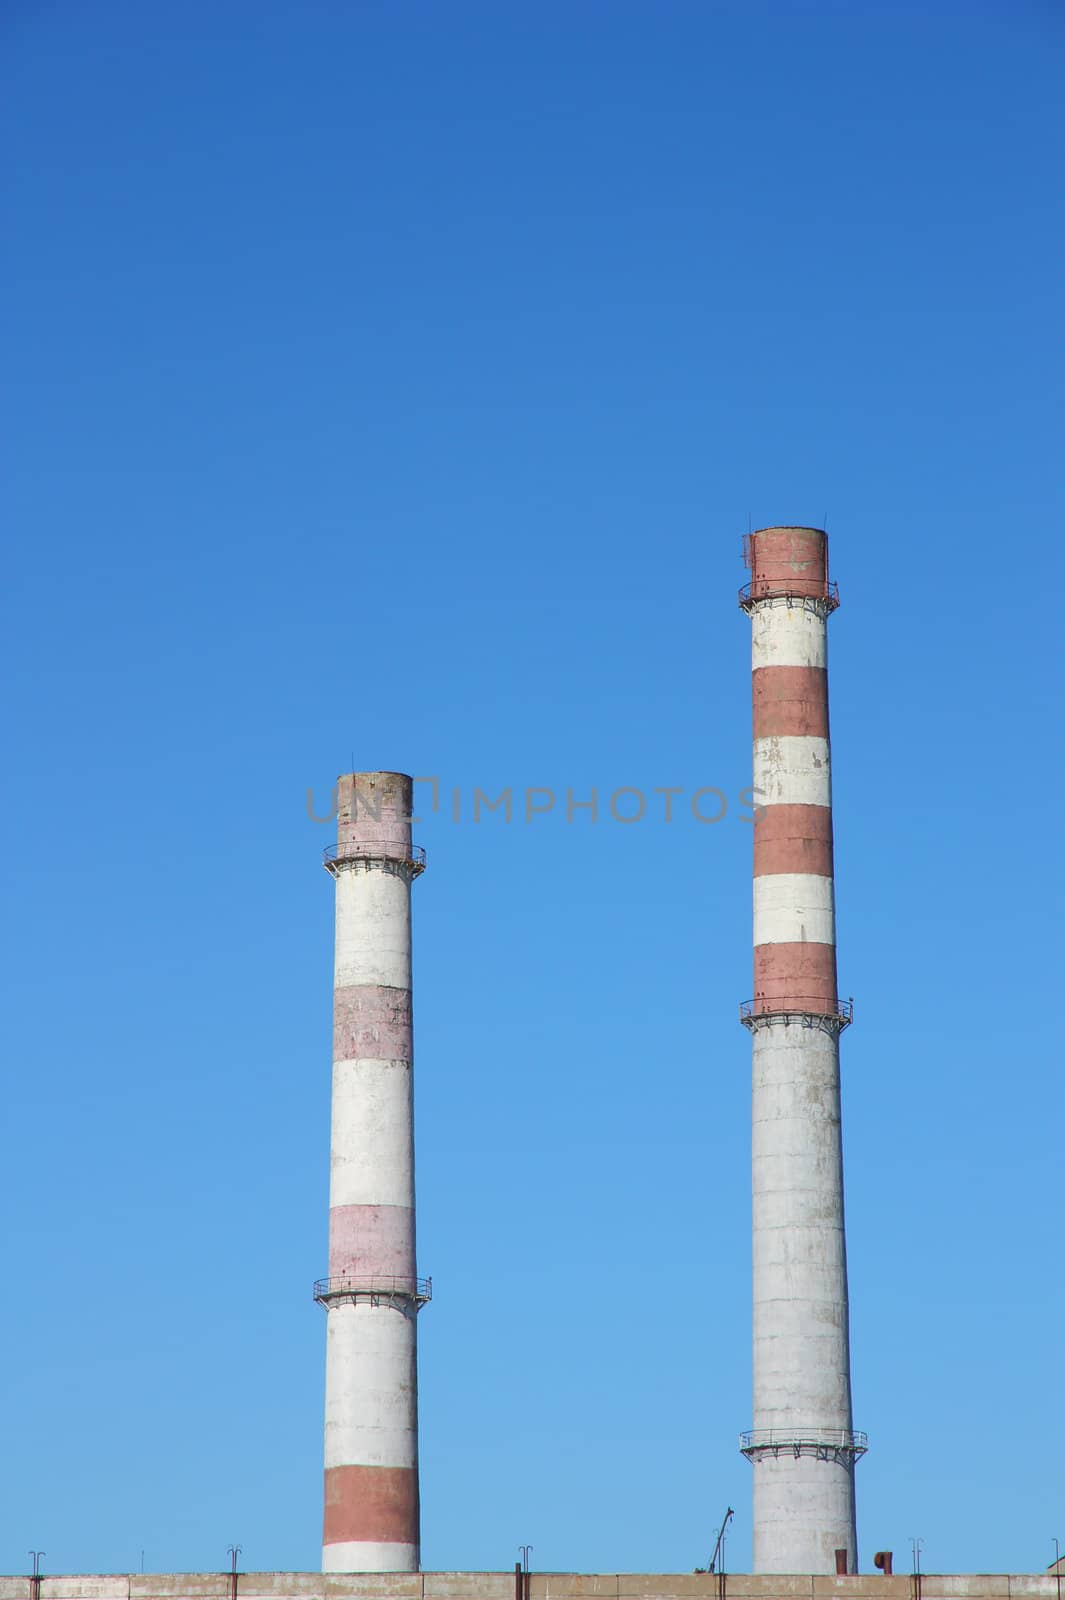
column 792, row 770
column 364, row 1556
column 372, row 1153
column 788, row 636
column 793, row 908
column 368, row 1418
column 372, row 928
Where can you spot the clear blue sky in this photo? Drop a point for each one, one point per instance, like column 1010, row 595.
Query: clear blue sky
column 393, row 382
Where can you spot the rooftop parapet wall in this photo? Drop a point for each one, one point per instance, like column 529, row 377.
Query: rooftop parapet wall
column 541, row 1586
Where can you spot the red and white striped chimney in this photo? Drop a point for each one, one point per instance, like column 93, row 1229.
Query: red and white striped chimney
column 802, row 1446
column 372, row 1294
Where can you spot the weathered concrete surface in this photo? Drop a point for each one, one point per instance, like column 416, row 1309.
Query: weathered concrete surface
column 801, row 1360
column 792, row 770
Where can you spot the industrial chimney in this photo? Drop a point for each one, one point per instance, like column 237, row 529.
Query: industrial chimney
column 802, row 1446
column 372, row 1294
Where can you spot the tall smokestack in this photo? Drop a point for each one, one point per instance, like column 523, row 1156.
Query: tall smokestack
column 372, row 1294
column 802, row 1446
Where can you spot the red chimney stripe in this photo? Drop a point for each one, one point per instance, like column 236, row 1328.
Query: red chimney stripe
column 376, row 1504
column 790, row 700
column 793, row 838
